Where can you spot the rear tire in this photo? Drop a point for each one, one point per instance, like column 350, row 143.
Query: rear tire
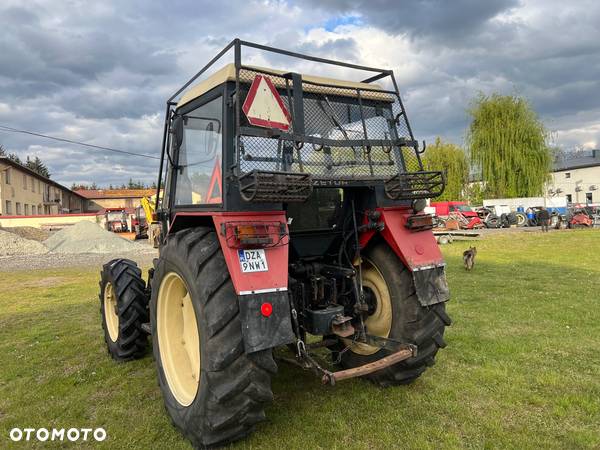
column 124, row 308
column 232, row 388
column 410, row 323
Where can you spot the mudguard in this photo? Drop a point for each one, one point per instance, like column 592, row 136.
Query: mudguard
column 419, row 252
column 255, row 289
column 261, row 329
column 261, row 332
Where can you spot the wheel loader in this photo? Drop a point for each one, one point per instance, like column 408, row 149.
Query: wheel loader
column 291, row 214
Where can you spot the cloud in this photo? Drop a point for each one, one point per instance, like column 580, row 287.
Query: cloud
column 101, row 72
column 440, row 18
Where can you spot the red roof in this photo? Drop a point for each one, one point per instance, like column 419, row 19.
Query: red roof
column 116, row 193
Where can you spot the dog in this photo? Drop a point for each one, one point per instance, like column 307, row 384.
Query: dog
column 469, row 257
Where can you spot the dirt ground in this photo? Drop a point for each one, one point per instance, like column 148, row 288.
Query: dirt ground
column 34, row 233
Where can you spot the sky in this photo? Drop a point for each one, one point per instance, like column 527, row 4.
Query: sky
column 100, row 72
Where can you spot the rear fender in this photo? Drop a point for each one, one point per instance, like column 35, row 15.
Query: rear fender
column 263, row 327
column 419, row 252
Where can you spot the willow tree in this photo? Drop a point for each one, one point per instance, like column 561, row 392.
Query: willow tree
column 507, row 142
column 452, row 160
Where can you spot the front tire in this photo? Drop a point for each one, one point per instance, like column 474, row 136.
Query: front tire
column 213, row 391
column 124, row 308
column 399, row 315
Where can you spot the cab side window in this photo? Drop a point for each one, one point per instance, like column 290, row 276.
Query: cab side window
column 200, row 155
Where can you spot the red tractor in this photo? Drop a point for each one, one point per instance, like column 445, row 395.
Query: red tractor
column 292, row 207
column 116, row 220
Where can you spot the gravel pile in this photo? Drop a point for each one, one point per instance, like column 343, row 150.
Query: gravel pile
column 12, row 244
column 87, row 237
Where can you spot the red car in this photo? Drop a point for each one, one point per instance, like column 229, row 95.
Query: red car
column 461, row 209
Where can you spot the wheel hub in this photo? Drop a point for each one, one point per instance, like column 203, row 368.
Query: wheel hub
column 111, row 316
column 178, row 338
column 378, row 299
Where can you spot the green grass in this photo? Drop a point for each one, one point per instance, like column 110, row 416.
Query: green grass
column 521, row 370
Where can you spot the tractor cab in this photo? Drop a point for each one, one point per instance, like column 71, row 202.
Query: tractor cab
column 279, row 135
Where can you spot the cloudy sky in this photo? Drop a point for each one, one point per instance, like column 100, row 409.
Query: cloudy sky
column 100, row 72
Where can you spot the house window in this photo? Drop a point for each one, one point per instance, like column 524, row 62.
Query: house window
column 567, row 174
column 26, row 209
column 24, row 181
column 32, row 184
column 18, row 209
column 569, row 198
column 7, row 176
column 33, row 210
column 588, row 197
column 8, row 208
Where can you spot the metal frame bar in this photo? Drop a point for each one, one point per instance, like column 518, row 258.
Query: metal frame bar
column 236, row 45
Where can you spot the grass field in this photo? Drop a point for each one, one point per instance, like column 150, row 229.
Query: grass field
column 521, row 370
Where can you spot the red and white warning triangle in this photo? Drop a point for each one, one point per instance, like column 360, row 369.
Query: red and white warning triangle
column 264, row 107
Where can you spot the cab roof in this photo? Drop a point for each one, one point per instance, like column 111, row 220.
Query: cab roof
column 227, row 73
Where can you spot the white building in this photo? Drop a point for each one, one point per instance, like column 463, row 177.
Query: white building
column 577, row 177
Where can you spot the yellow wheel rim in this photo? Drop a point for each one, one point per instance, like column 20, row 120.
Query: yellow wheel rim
column 178, row 338
column 110, row 312
column 380, row 322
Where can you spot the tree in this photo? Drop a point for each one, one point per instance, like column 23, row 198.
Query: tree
column 37, row 166
column 135, row 184
column 12, row 156
column 507, row 142
column 452, row 160
column 83, row 187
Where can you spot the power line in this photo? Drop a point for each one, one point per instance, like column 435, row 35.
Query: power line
column 69, row 141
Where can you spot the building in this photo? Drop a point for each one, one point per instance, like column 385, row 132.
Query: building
column 101, row 199
column 577, row 176
column 24, row 192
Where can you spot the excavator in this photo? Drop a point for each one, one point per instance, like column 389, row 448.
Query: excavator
column 145, row 223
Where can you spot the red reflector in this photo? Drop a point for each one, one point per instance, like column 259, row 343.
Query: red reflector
column 266, row 309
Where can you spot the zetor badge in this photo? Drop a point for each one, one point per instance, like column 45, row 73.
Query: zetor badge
column 253, row 260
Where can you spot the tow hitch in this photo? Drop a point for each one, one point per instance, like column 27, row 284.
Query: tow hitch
column 333, row 377
column 305, row 360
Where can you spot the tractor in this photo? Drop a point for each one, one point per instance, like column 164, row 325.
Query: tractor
column 291, row 214
column 116, row 220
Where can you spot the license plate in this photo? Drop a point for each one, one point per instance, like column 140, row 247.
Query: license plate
column 253, row 260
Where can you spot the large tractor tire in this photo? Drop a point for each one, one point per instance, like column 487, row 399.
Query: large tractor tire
column 492, row 221
column 397, row 314
column 522, row 219
column 124, row 308
column 213, row 391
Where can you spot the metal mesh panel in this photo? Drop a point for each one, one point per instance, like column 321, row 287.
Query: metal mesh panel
column 340, row 125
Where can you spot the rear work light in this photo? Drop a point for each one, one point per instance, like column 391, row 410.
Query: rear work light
column 420, row 222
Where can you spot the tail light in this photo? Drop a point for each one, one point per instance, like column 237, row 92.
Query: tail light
column 254, row 234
